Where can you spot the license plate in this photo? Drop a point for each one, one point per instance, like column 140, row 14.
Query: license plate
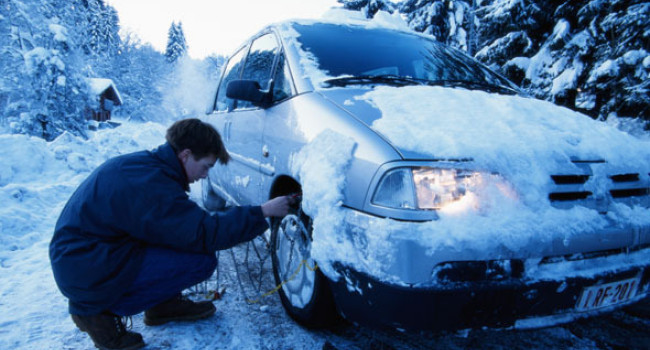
column 603, row 295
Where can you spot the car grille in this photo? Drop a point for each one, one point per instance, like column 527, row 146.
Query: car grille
column 599, row 190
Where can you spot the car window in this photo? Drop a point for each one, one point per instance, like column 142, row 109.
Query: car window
column 282, row 81
column 350, row 51
column 259, row 63
column 232, row 70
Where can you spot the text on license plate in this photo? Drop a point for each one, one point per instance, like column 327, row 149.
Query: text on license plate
column 603, row 295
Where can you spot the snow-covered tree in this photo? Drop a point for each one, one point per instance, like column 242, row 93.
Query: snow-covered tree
column 176, row 44
column 102, row 29
column 591, row 56
column 43, row 91
column 369, row 7
column 48, row 49
column 138, row 69
column 447, row 21
column 586, row 55
column 617, row 66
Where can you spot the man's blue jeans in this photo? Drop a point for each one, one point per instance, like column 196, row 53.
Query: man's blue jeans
column 164, row 274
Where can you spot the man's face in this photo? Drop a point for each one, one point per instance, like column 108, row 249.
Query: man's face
column 196, row 168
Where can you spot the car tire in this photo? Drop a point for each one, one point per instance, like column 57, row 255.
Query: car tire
column 304, row 290
column 211, row 201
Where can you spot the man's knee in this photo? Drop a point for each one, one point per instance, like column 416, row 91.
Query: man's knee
column 208, row 265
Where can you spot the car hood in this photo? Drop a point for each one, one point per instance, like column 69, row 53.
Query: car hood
column 519, row 137
column 351, row 100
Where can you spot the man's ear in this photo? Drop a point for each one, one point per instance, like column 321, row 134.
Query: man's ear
column 184, row 155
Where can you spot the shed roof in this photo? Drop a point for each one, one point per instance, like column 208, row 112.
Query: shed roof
column 99, row 86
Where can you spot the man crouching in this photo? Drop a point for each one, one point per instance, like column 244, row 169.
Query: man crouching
column 130, row 239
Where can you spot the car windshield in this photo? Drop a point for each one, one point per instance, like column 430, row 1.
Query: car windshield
column 356, row 55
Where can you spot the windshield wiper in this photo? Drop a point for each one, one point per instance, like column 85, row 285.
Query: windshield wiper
column 394, row 80
column 473, row 85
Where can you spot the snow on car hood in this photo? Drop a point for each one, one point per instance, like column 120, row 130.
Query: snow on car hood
column 506, row 229
column 523, row 139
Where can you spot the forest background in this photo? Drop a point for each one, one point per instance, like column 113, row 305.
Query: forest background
column 590, row 56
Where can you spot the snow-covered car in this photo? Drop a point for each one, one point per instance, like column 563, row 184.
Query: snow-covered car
column 435, row 195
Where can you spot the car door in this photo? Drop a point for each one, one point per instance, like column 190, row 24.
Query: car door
column 243, row 123
column 280, row 139
column 222, row 177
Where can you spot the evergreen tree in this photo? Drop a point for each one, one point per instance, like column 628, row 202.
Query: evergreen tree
column 587, row 56
column 47, row 50
column 369, row 7
column 102, row 25
column 138, row 70
column 447, row 21
column 176, row 44
column 46, row 91
column 590, row 56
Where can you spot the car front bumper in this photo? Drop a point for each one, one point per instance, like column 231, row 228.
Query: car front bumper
column 458, row 289
column 512, row 303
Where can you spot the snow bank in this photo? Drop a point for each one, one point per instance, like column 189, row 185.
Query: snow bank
column 520, row 62
column 36, row 180
column 40, row 56
column 37, row 177
column 633, row 57
column 561, row 30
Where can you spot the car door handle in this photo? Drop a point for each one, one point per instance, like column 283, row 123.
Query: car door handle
column 226, row 130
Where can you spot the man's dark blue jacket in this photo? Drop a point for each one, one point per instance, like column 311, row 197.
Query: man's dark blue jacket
column 127, row 204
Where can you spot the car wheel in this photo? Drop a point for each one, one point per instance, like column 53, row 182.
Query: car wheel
column 211, row 200
column 304, row 291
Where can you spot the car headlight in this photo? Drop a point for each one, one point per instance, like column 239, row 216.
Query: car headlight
column 436, row 188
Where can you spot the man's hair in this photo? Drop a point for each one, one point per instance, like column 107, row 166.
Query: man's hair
column 199, row 137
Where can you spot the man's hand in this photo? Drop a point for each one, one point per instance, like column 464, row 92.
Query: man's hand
column 278, row 206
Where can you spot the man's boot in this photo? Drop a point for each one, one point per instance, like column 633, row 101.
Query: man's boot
column 108, row 332
column 178, row 308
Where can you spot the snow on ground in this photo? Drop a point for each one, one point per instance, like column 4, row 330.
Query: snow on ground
column 37, row 178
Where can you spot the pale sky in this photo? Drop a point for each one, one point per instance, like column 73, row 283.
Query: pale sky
column 211, row 26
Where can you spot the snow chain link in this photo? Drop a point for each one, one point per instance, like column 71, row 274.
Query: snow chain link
column 303, row 263
column 277, row 288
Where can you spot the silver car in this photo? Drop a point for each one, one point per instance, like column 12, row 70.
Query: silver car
column 437, row 136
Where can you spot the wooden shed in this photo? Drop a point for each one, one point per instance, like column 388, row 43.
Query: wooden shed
column 105, row 96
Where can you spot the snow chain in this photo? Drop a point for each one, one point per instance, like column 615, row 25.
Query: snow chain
column 277, row 288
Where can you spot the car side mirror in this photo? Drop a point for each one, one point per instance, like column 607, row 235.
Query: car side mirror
column 248, row 90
